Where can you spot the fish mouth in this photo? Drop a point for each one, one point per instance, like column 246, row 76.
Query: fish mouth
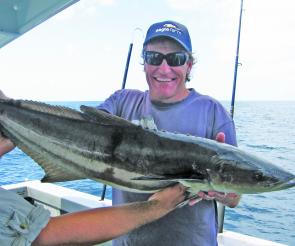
column 285, row 184
column 290, row 183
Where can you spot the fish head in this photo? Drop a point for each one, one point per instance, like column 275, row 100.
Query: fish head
column 242, row 173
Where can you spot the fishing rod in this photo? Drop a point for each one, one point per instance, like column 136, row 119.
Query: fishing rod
column 236, row 65
column 221, row 207
column 123, row 87
column 128, row 58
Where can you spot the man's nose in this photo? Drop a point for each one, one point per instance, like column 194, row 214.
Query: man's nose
column 164, row 66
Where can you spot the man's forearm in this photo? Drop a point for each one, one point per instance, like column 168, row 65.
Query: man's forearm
column 102, row 224
column 97, row 225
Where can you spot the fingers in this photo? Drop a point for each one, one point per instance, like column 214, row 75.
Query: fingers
column 229, row 199
column 170, row 196
column 194, row 201
column 210, row 195
column 207, row 196
column 220, row 137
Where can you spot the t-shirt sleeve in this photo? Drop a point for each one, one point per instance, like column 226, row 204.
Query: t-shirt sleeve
column 224, row 123
column 20, row 221
column 110, row 105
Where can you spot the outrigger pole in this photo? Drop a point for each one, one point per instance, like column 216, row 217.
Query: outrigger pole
column 123, row 87
column 236, row 65
column 221, row 207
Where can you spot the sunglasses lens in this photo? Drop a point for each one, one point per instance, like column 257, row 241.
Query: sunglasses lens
column 153, row 58
column 173, row 59
column 176, row 59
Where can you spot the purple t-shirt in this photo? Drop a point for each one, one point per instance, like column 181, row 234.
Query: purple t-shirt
column 196, row 115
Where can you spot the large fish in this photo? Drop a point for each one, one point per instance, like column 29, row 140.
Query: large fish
column 69, row 145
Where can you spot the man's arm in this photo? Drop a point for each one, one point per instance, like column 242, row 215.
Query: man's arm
column 102, row 224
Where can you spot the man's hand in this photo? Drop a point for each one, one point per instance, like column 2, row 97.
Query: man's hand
column 5, row 145
column 229, row 199
column 170, row 197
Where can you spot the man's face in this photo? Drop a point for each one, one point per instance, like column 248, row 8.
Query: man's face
column 166, row 83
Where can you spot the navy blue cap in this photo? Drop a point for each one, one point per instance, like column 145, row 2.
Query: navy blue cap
column 170, row 29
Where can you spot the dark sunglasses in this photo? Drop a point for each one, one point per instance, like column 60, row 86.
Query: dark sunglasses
column 174, row 59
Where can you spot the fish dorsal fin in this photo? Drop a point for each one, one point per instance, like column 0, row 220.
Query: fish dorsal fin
column 103, row 117
column 49, row 109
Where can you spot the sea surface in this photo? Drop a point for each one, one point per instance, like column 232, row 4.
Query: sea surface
column 263, row 128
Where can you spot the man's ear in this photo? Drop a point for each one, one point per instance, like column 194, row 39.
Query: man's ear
column 189, row 66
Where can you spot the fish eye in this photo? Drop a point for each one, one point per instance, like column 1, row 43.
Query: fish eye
column 258, row 176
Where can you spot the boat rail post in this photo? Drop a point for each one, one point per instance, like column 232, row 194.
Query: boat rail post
column 123, row 87
column 221, row 207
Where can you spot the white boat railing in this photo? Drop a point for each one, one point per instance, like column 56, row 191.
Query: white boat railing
column 60, row 200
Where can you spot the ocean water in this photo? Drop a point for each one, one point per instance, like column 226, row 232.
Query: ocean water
column 263, row 128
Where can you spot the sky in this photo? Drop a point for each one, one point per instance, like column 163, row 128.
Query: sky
column 80, row 53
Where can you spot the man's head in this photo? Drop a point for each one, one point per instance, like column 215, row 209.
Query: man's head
column 167, row 53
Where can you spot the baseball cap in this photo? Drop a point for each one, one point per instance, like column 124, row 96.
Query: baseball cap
column 170, row 29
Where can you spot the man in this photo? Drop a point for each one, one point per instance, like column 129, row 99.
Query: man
column 168, row 60
column 22, row 223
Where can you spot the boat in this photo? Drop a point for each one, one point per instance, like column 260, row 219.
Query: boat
column 17, row 18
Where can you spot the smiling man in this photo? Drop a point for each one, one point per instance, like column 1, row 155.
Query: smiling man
column 167, row 65
column 168, row 60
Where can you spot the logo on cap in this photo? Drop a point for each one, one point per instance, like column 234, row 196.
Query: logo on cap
column 169, row 28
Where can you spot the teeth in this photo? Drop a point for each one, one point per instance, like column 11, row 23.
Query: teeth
column 164, row 79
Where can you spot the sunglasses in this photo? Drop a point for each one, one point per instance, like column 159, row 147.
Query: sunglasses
column 174, row 59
